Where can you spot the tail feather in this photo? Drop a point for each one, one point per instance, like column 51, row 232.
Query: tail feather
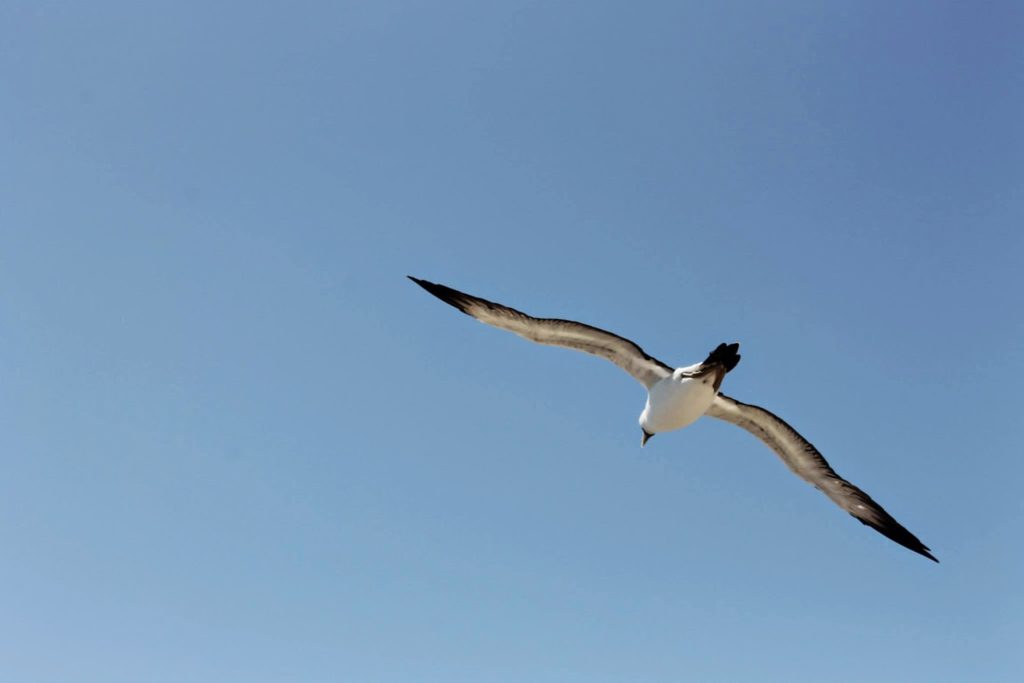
column 725, row 355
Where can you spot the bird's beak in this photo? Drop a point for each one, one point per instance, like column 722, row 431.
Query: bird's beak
column 643, row 439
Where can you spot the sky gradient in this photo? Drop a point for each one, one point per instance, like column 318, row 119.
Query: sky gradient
column 239, row 445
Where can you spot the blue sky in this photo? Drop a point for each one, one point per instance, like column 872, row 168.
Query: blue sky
column 239, row 445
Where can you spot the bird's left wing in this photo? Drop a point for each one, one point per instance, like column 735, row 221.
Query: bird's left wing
column 807, row 463
column 567, row 333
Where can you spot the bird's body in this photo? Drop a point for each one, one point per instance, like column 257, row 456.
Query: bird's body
column 675, row 402
column 678, row 397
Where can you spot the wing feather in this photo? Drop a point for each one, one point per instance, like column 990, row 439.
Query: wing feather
column 555, row 332
column 807, row 463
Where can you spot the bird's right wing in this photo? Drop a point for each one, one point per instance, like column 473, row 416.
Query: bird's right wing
column 567, row 333
column 807, row 463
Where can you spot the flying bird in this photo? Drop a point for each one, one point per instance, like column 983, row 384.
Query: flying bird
column 677, row 397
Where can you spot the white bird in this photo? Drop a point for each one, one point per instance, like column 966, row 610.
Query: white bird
column 678, row 397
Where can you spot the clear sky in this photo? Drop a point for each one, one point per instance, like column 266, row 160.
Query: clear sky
column 238, row 445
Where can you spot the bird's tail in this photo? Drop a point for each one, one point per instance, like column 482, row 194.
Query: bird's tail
column 725, row 355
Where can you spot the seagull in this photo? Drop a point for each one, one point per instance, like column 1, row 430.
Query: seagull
column 677, row 397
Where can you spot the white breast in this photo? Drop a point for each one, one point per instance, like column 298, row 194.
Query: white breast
column 674, row 403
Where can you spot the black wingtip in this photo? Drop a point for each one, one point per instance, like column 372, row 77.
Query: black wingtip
column 421, row 283
column 898, row 533
column 922, row 550
column 924, row 553
column 431, row 287
column 452, row 297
